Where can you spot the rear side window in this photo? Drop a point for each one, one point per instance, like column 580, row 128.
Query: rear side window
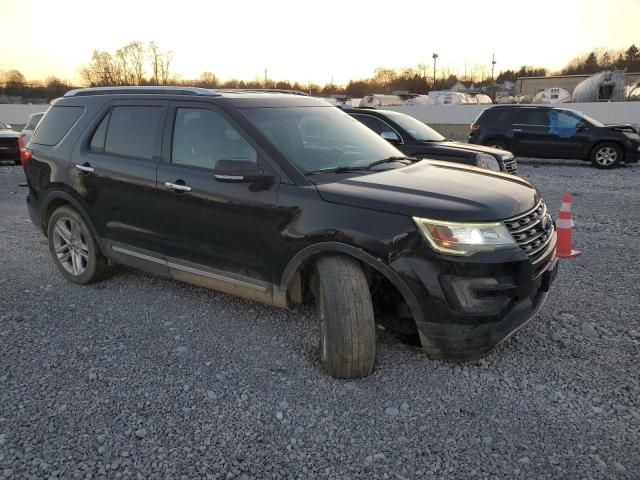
column 56, row 124
column 128, row 131
column 533, row 116
column 496, row 115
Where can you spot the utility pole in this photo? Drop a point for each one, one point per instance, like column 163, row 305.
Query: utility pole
column 493, row 66
column 435, row 58
column 265, row 77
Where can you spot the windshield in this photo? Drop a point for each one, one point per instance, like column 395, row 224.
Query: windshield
column 320, row 138
column 593, row 121
column 416, row 128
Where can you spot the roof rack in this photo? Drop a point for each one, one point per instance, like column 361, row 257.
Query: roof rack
column 146, row 90
column 262, row 90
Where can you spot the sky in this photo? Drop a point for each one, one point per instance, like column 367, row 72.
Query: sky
column 314, row 41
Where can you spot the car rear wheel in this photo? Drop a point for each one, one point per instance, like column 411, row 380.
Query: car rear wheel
column 74, row 249
column 606, row 155
column 345, row 313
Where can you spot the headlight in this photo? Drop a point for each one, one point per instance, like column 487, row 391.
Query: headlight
column 464, row 238
column 484, row 160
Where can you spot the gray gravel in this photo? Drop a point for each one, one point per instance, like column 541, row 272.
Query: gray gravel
column 144, row 377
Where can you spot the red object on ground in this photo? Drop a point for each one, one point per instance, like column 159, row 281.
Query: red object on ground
column 563, row 227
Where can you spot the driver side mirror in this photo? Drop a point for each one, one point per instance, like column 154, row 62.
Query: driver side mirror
column 238, row 171
column 8, row 125
column 391, row 137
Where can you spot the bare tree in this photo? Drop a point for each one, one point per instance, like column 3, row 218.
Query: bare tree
column 13, row 78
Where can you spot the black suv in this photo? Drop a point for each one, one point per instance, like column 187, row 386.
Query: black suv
column 415, row 139
column 551, row 132
column 283, row 199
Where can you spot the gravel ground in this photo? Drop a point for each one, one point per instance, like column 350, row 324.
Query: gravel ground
column 144, row 377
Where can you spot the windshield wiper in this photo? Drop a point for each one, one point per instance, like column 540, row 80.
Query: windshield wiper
column 358, row 168
column 396, row 158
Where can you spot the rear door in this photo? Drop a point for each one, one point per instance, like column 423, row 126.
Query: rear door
column 114, row 170
column 215, row 230
column 531, row 133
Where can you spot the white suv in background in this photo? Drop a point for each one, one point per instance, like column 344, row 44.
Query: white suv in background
column 28, row 129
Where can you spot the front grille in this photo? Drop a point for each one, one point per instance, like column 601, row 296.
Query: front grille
column 532, row 230
column 510, row 165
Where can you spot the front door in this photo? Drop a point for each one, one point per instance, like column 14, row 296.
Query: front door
column 569, row 134
column 214, row 230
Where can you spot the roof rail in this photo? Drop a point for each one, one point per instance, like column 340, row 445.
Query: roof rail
column 146, row 90
column 262, row 90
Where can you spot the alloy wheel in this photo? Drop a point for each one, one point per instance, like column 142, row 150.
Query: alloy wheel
column 71, row 246
column 606, row 156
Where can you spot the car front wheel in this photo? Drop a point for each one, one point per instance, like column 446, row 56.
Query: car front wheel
column 73, row 248
column 606, row 155
column 345, row 313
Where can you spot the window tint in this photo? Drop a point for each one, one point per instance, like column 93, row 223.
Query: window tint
column 55, row 125
column 99, row 136
column 374, row 123
column 533, row 116
column 496, row 115
column 131, row 131
column 202, row 137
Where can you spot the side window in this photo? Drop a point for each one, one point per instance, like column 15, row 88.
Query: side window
column 202, row 137
column 99, row 136
column 563, row 119
column 128, row 131
column 374, row 123
column 533, row 116
column 56, row 124
column 563, row 124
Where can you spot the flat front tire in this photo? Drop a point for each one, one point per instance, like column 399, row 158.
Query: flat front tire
column 73, row 248
column 345, row 314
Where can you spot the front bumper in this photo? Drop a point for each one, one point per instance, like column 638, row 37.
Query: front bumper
column 468, row 306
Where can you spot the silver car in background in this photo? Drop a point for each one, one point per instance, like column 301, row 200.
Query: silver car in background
column 31, row 125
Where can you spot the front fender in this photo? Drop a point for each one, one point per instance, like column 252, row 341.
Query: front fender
column 376, row 263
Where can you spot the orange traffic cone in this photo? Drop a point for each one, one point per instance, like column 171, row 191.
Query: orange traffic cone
column 563, row 226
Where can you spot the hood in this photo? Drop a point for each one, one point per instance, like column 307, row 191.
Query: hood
column 437, row 190
column 467, row 147
column 624, row 127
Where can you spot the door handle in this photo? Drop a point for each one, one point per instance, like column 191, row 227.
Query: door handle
column 177, row 187
column 86, row 168
column 517, row 130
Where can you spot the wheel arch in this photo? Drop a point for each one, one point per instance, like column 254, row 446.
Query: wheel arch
column 291, row 279
column 599, row 143
column 55, row 200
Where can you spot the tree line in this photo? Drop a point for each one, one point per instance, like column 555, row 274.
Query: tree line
column 137, row 63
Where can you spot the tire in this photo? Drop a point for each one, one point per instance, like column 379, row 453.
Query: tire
column 17, row 162
column 606, row 155
column 497, row 143
column 345, row 313
column 83, row 263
